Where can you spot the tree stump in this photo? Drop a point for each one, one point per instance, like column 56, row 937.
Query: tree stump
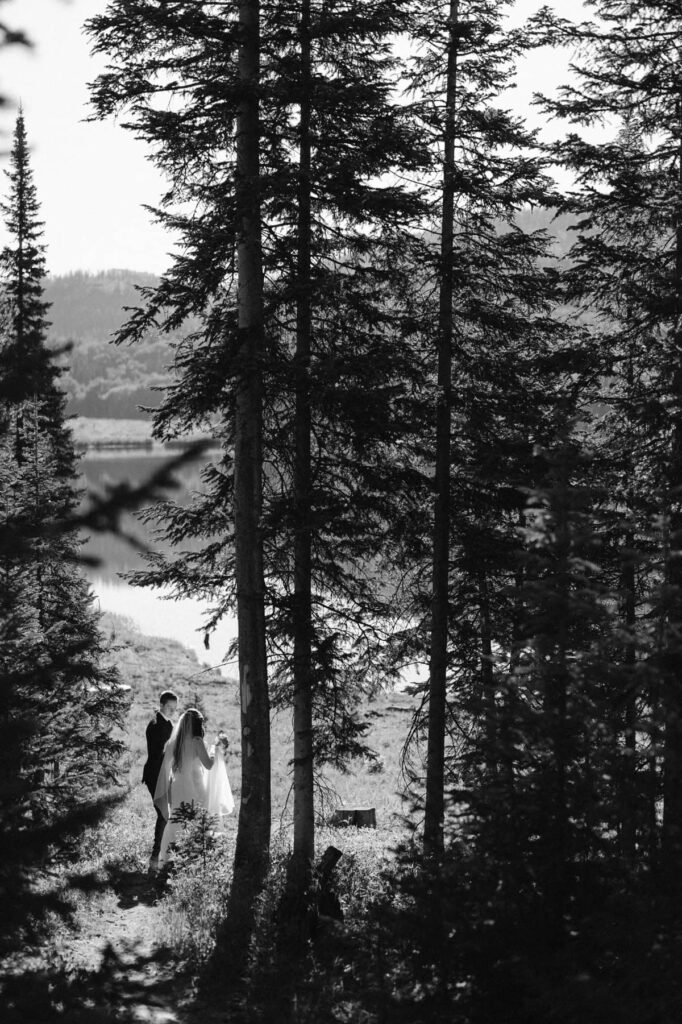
column 328, row 861
column 328, row 903
column 359, row 817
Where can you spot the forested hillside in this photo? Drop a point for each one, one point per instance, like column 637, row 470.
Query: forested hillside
column 103, row 379
column 108, row 381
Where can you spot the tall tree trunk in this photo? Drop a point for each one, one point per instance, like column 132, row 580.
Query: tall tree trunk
column 253, row 833
column 628, row 824
column 488, row 675
column 653, row 777
column 435, row 756
column 672, row 771
column 507, row 715
column 557, row 819
column 304, row 822
column 629, row 794
column 557, row 678
column 657, row 703
column 20, row 312
column 38, row 544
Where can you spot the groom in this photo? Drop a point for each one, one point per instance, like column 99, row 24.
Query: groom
column 158, row 731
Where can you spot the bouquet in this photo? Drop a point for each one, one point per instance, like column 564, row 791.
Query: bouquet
column 222, row 743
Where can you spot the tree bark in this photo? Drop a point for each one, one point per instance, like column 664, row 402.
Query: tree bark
column 556, row 709
column 672, row 770
column 629, row 818
column 488, row 676
column 435, row 756
column 253, row 833
column 304, row 821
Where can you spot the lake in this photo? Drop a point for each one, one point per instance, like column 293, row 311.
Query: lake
column 149, row 608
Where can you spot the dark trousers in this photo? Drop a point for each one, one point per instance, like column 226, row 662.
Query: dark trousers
column 158, row 828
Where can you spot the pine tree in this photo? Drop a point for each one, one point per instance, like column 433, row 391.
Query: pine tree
column 490, row 282
column 303, row 768
column 433, row 809
column 628, row 194
column 60, row 700
column 614, row 264
column 336, row 358
column 26, row 368
column 253, row 836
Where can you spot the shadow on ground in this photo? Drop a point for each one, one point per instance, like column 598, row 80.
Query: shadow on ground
column 130, row 886
column 99, row 977
column 129, row 986
column 134, row 887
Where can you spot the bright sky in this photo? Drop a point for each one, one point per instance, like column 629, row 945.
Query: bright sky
column 92, row 179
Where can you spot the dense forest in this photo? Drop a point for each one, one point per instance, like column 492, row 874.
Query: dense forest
column 450, row 433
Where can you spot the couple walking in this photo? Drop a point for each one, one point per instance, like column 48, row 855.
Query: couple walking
column 180, row 769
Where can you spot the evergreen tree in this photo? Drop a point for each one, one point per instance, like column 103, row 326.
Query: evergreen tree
column 614, row 273
column 336, row 358
column 630, row 268
column 492, row 323
column 26, row 368
column 60, row 699
column 253, row 836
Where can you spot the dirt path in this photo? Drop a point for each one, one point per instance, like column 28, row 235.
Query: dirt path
column 117, row 961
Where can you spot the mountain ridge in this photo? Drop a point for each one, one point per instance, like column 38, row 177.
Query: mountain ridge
column 105, row 381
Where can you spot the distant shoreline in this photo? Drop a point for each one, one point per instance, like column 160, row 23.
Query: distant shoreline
column 94, row 434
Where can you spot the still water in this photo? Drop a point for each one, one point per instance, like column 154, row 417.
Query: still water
column 151, row 609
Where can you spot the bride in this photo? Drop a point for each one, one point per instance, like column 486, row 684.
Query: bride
column 190, row 774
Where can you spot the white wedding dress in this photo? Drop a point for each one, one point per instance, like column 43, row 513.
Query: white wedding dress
column 200, row 781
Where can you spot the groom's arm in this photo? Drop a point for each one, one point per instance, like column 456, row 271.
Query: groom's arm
column 153, row 754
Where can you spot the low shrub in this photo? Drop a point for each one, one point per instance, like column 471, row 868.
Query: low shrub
column 197, row 888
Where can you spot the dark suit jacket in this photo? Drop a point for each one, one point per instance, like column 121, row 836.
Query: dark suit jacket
column 158, row 732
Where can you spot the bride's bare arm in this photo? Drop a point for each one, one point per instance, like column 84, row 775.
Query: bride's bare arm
column 206, row 758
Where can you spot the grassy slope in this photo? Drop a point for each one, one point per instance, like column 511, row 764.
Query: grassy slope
column 151, row 664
